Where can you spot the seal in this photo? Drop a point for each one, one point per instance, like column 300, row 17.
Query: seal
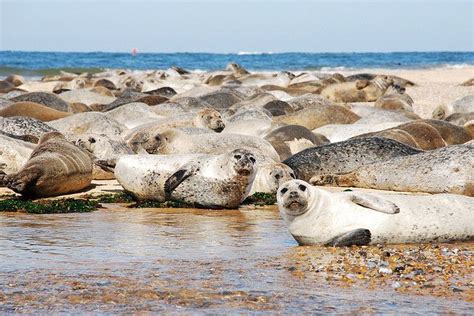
column 395, row 98
column 177, row 142
column 462, row 105
column 47, row 99
column 13, row 153
column 278, row 108
column 105, row 152
column 89, row 122
column 221, row 181
column 282, row 138
column 55, row 167
column 270, row 176
column 22, row 126
column 34, row 110
column 444, row 170
column 318, row 217
column 345, row 156
column 358, row 91
column 421, row 135
column 318, row 116
column 460, row 118
column 134, row 114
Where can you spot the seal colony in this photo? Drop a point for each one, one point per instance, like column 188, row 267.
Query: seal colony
column 213, row 139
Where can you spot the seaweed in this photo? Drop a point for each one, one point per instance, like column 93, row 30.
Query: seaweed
column 260, row 198
column 17, row 204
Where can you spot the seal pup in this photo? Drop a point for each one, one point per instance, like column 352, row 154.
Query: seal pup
column 318, row 217
column 345, row 156
column 55, row 167
column 33, row 110
column 358, row 91
column 444, row 170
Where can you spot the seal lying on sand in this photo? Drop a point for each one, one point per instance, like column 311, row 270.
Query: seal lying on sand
column 318, row 217
column 34, row 110
column 202, row 180
column 358, row 91
column 345, row 156
column 55, row 167
column 445, row 170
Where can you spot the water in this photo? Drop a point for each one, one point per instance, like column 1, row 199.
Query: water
column 43, row 63
column 199, row 261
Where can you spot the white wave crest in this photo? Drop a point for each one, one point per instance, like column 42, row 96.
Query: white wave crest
column 254, row 53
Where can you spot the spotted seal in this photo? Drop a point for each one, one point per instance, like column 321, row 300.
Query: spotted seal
column 317, row 217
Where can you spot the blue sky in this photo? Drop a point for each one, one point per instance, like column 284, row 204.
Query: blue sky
column 232, row 26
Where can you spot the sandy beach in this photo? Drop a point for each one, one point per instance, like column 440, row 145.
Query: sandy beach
column 133, row 259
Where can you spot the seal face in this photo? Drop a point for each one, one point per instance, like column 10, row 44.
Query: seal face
column 293, row 196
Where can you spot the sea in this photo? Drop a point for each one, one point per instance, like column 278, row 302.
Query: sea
column 47, row 63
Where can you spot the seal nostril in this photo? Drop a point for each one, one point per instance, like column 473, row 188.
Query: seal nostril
column 252, row 159
column 237, row 157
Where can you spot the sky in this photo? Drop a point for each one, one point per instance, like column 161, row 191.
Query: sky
column 229, row 26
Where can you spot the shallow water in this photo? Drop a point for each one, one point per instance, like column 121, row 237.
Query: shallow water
column 172, row 260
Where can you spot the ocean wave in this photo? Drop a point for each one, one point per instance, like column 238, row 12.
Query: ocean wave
column 253, row 53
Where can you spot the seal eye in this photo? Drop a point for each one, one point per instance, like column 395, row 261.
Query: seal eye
column 237, row 157
column 277, row 176
column 158, row 138
column 252, row 159
column 302, row 187
column 283, row 191
column 91, row 140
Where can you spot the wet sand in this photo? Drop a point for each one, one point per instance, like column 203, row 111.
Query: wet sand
column 184, row 260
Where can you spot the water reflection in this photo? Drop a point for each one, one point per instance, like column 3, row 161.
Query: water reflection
column 158, row 260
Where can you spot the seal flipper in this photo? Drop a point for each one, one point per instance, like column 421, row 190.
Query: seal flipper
column 24, row 179
column 361, row 84
column 179, row 176
column 374, row 202
column 356, row 237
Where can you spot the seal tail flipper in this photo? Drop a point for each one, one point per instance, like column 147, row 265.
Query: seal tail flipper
column 106, row 165
column 24, row 179
column 3, row 179
column 356, row 237
column 374, row 202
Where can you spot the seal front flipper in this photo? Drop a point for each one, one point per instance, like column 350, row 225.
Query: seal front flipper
column 179, row 176
column 356, row 237
column 374, row 202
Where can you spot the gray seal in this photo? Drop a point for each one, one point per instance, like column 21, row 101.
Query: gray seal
column 345, row 156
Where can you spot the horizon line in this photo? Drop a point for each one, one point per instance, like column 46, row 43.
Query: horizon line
column 241, row 53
